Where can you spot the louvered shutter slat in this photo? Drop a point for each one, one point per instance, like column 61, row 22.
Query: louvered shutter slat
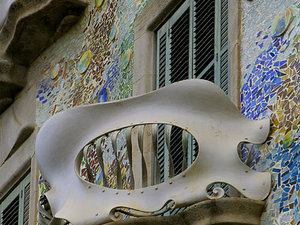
column 204, row 36
column 201, row 45
column 179, row 45
column 162, row 60
column 10, row 214
column 202, row 25
column 14, row 209
column 161, row 149
column 224, row 67
column 176, row 149
column 209, row 75
column 26, row 204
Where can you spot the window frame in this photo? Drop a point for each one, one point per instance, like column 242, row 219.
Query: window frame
column 150, row 20
column 166, row 29
column 164, row 74
column 220, row 45
column 144, row 65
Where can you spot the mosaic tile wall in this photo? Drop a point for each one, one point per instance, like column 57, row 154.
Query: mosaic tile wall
column 270, row 88
column 92, row 63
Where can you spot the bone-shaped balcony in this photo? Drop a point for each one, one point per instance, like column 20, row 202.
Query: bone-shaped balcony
column 88, row 155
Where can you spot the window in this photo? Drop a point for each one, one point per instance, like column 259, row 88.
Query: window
column 14, row 209
column 192, row 43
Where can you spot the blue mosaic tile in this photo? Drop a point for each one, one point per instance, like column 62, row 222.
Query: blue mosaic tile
column 269, row 89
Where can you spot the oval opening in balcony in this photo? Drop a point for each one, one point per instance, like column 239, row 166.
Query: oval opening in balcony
column 137, row 156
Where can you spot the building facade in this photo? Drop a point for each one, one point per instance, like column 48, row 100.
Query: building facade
column 105, row 50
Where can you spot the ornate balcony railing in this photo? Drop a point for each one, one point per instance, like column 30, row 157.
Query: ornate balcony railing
column 201, row 113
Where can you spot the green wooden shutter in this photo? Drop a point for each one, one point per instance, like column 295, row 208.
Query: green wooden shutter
column 14, row 209
column 222, row 53
column 179, row 34
column 174, row 48
column 26, row 204
column 162, row 57
column 204, row 40
column 211, row 58
column 180, row 69
column 10, row 211
column 162, row 68
column 193, row 43
column 173, row 64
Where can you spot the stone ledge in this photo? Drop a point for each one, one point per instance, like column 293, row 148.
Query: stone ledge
column 235, row 211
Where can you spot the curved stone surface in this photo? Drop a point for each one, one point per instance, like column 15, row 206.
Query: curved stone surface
column 17, row 124
column 12, row 12
column 198, row 106
column 27, row 27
